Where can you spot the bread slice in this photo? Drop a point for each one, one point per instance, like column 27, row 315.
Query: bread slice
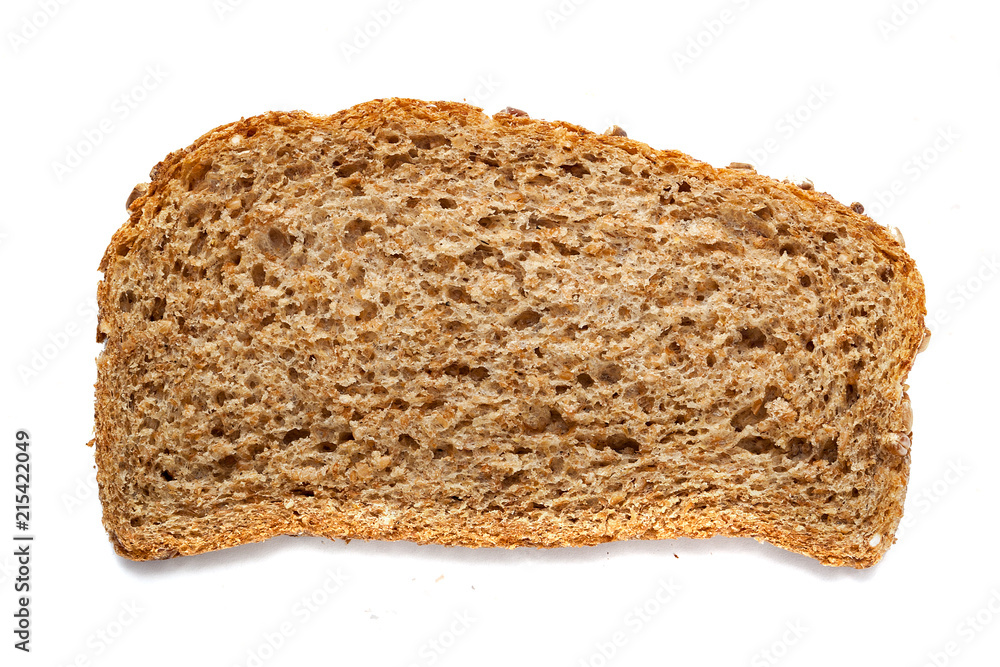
column 410, row 320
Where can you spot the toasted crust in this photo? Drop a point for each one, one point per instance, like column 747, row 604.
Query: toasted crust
column 123, row 450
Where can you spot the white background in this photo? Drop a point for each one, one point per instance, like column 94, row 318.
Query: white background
column 865, row 98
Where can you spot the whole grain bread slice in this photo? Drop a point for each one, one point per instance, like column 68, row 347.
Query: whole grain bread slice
column 411, row 320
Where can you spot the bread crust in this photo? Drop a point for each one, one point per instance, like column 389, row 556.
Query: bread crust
column 233, row 526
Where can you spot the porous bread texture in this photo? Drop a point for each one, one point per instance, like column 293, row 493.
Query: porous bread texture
column 410, row 320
